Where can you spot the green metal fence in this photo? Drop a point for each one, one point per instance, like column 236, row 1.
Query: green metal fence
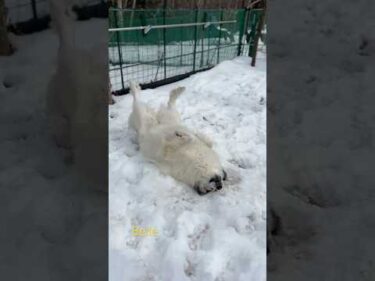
column 156, row 47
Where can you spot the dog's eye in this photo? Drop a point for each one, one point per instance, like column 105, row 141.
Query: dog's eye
column 178, row 134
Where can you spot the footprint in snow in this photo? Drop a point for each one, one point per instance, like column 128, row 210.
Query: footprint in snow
column 262, row 101
column 190, row 267
column 197, row 239
column 241, row 162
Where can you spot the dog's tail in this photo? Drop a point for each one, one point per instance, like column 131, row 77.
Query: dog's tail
column 135, row 89
column 174, row 94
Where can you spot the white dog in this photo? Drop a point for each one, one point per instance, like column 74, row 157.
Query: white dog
column 76, row 101
column 185, row 155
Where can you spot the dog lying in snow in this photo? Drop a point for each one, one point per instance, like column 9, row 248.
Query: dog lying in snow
column 176, row 150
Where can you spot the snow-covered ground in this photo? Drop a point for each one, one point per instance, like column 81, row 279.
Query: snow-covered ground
column 220, row 236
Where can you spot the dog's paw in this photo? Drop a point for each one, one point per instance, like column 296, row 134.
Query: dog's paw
column 134, row 86
column 178, row 90
column 242, row 162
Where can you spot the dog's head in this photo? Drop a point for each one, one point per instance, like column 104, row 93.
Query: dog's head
column 198, row 164
column 211, row 182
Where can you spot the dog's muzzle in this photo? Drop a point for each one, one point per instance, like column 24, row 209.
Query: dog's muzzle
column 216, row 181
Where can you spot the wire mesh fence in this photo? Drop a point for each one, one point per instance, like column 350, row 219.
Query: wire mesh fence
column 155, row 47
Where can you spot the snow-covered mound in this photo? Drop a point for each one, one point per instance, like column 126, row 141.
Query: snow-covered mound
column 219, row 236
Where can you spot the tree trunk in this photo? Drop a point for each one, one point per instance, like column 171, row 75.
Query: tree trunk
column 257, row 36
column 132, row 14
column 120, row 18
column 6, row 48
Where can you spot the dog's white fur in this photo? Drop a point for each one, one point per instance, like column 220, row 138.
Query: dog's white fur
column 178, row 151
column 77, row 100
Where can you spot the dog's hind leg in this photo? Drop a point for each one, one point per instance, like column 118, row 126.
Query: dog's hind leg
column 142, row 117
column 135, row 89
column 169, row 114
column 136, row 116
column 174, row 94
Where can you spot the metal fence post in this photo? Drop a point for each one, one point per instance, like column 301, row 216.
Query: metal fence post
column 119, row 53
column 208, row 47
column 202, row 37
column 181, row 48
column 195, row 38
column 257, row 35
column 165, row 40
column 254, row 19
column 218, row 49
column 33, row 6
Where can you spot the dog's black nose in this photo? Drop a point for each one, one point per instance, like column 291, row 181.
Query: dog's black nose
column 219, row 185
column 217, row 180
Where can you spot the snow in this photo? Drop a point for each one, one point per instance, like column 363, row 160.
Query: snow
column 219, row 236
